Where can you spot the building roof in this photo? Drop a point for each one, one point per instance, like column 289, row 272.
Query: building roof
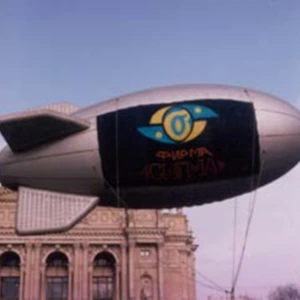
column 6, row 193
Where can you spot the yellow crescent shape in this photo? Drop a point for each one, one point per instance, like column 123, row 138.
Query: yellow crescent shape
column 198, row 128
column 157, row 117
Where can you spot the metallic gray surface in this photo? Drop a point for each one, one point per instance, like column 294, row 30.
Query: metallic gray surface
column 73, row 165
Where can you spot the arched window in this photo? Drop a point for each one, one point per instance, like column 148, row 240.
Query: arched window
column 57, row 271
column 146, row 288
column 104, row 269
column 9, row 276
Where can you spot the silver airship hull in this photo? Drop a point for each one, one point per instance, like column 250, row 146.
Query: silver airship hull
column 101, row 160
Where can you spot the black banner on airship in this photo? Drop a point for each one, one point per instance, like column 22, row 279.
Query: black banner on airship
column 179, row 143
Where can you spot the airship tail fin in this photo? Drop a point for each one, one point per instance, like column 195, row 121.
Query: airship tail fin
column 62, row 107
column 40, row 212
column 30, row 129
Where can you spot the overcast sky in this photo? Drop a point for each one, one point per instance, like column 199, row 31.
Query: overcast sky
column 87, row 51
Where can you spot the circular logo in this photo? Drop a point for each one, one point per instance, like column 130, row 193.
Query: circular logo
column 177, row 123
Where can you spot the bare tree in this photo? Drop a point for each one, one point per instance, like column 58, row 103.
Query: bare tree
column 286, row 292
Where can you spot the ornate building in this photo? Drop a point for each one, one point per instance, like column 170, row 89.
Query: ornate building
column 100, row 258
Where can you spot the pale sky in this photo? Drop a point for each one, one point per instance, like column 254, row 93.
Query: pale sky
column 88, row 51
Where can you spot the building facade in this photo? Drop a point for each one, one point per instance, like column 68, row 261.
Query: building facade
column 112, row 254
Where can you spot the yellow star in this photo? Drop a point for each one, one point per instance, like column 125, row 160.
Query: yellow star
column 198, row 110
column 158, row 135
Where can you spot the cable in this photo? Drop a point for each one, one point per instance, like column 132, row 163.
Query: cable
column 244, row 244
column 234, row 238
column 213, row 285
column 252, row 203
column 117, row 152
column 251, row 213
column 121, row 200
column 209, row 286
column 211, row 281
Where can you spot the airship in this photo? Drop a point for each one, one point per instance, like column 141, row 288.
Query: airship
column 165, row 147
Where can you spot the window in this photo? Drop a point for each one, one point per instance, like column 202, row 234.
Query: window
column 104, row 277
column 57, row 275
column 102, row 288
column 103, row 262
column 9, row 276
column 57, row 260
column 10, row 287
column 10, row 259
column 57, row 288
column 145, row 253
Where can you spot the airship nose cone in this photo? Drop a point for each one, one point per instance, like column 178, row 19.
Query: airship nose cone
column 279, row 134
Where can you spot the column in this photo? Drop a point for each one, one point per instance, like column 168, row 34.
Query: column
column 160, row 271
column 42, row 281
column 71, row 284
column 131, row 270
column 90, row 283
column 184, row 272
column 22, row 281
column 76, row 280
column 35, row 284
column 118, row 284
column 28, row 273
column 124, row 271
column 85, row 271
